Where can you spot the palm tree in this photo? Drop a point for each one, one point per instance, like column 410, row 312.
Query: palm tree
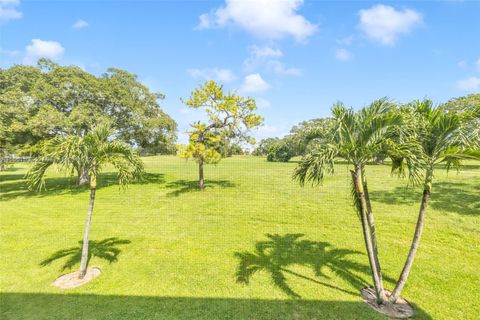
column 433, row 136
column 93, row 151
column 357, row 137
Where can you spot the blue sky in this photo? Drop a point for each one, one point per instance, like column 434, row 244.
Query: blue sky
column 295, row 57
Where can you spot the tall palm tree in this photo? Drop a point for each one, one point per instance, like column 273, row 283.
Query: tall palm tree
column 93, row 151
column 357, row 137
column 434, row 136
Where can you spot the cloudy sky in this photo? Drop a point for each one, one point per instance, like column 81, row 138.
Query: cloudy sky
column 295, row 57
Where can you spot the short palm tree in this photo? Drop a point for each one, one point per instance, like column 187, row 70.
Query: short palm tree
column 93, row 151
column 433, row 136
column 357, row 137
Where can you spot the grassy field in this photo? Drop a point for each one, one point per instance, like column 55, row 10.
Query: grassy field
column 177, row 246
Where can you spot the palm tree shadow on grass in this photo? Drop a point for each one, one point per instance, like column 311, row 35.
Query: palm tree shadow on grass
column 13, row 186
column 447, row 196
column 184, row 186
column 106, row 249
column 275, row 255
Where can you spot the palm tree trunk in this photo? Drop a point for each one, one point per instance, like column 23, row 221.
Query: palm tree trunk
column 84, row 259
column 82, row 176
column 357, row 181
column 201, row 180
column 402, row 280
column 371, row 223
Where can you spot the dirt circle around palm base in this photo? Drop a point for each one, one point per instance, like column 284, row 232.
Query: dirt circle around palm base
column 71, row 280
column 402, row 309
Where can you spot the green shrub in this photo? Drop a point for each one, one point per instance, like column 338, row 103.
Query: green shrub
column 280, row 152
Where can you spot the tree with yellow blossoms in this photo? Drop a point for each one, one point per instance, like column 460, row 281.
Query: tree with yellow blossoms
column 230, row 117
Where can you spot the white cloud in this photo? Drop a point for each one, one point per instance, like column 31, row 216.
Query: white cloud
column 217, row 74
column 343, row 55
column 263, row 103
column 265, row 52
column 258, row 56
column 385, row 24
column 42, row 49
column 279, row 68
column 9, row 11
column 254, row 83
column 80, row 24
column 268, row 58
column 205, row 22
column 346, row 41
column 471, row 84
column 270, row 19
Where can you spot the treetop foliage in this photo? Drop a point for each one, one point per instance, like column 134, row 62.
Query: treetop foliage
column 49, row 100
column 229, row 117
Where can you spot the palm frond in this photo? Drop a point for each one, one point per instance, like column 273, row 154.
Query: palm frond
column 91, row 153
column 314, row 166
column 35, row 175
column 123, row 158
column 454, row 156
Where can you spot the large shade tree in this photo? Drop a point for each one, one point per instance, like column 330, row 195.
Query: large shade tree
column 264, row 146
column 468, row 108
column 93, row 151
column 432, row 136
column 356, row 137
column 229, row 117
column 40, row 102
column 307, row 134
column 302, row 138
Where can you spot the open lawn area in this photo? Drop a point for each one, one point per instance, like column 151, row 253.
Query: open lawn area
column 175, row 250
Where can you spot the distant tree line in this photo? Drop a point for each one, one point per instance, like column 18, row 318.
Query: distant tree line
column 308, row 135
column 302, row 138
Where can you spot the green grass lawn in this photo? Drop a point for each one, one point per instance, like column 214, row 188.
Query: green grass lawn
column 177, row 258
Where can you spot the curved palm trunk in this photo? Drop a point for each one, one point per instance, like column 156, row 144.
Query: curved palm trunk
column 84, row 259
column 357, row 181
column 402, row 280
column 201, row 180
column 371, row 223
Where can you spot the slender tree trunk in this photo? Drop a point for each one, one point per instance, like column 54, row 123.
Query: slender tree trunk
column 371, row 223
column 201, row 180
column 402, row 280
column 357, row 181
column 84, row 259
column 82, row 176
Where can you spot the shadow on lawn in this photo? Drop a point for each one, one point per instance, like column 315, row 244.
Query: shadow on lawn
column 10, row 168
column 275, row 255
column 14, row 185
column 105, row 249
column 448, row 196
column 184, row 186
column 42, row 306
